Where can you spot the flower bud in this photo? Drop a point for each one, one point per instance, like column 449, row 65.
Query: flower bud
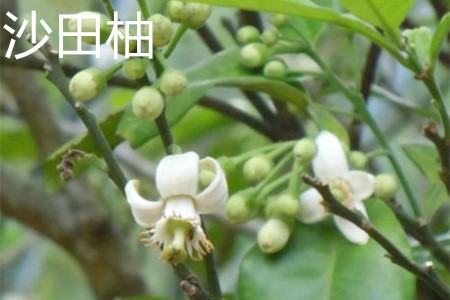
column 358, row 159
column 254, row 55
column 247, row 34
column 147, row 103
column 205, row 177
column 162, row 30
column 278, row 20
column 283, row 205
column 88, row 24
column 304, row 150
column 273, row 236
column 173, row 82
column 194, row 15
column 256, row 168
column 134, row 68
column 275, row 69
column 270, row 36
column 385, row 186
column 87, row 84
column 122, row 43
column 237, row 210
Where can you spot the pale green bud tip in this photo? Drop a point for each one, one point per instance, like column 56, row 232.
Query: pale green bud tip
column 256, row 168
column 278, row 20
column 173, row 82
column 358, row 159
column 275, row 69
column 236, row 209
column 162, row 30
column 273, row 236
column 247, row 34
column 205, row 177
column 385, row 186
column 134, row 68
column 87, row 84
column 283, row 205
column 254, row 55
column 121, row 44
column 194, row 15
column 147, row 103
column 304, row 150
column 88, row 24
column 269, row 36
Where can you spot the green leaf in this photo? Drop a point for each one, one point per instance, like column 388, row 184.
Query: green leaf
column 392, row 12
column 425, row 157
column 84, row 143
column 318, row 263
column 438, row 38
column 16, row 140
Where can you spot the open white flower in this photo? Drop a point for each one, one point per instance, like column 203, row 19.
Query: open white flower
column 350, row 187
column 173, row 221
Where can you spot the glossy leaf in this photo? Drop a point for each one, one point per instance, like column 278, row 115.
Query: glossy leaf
column 392, row 12
column 318, row 263
column 425, row 157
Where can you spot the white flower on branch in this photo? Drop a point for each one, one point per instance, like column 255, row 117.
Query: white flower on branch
column 348, row 186
column 173, row 222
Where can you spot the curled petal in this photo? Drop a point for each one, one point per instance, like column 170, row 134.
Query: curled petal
column 330, row 161
column 213, row 197
column 145, row 212
column 311, row 208
column 352, row 232
column 181, row 208
column 361, row 184
column 177, row 175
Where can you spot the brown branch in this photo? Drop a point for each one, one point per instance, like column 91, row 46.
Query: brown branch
column 443, row 149
column 210, row 39
column 426, row 272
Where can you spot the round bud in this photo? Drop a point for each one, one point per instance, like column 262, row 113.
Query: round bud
column 147, row 103
column 283, row 205
column 236, row 209
column 256, row 168
column 162, row 30
column 275, row 69
column 87, row 84
column 173, row 82
column 89, row 25
column 270, row 36
column 278, row 20
column 247, row 34
column 273, row 236
column 385, row 186
column 254, row 55
column 176, row 11
column 358, row 159
column 227, row 164
column 304, row 150
column 205, row 177
column 134, row 68
column 122, row 43
column 197, row 14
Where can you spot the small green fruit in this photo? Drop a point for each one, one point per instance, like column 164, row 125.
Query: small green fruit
column 358, row 159
column 269, row 37
column 275, row 69
column 162, row 30
column 385, row 186
column 283, row 205
column 278, row 20
column 237, row 210
column 304, row 150
column 147, row 103
column 247, row 34
column 254, row 55
column 87, row 84
column 134, row 68
column 273, row 236
column 173, row 82
column 256, row 168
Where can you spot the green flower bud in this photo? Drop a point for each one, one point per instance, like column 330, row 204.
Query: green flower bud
column 173, row 82
column 385, row 186
column 278, row 20
column 247, row 34
column 134, row 68
column 236, row 209
column 256, row 168
column 304, row 150
column 358, row 159
column 275, row 69
column 88, row 24
column 227, row 164
column 121, row 44
column 205, row 177
column 162, row 30
column 419, row 39
column 147, row 103
column 273, row 236
column 87, row 84
column 254, row 55
column 194, row 15
column 283, row 205
column 270, row 36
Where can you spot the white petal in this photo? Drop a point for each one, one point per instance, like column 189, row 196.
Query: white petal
column 145, row 212
column 213, row 197
column 352, row 232
column 181, row 208
column 361, row 184
column 177, row 175
column 330, row 161
column 311, row 208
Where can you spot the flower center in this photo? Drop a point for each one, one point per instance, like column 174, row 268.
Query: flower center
column 342, row 192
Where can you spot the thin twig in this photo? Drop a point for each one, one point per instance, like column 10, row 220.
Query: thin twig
column 215, row 292
column 443, row 148
column 426, row 273
column 210, row 39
